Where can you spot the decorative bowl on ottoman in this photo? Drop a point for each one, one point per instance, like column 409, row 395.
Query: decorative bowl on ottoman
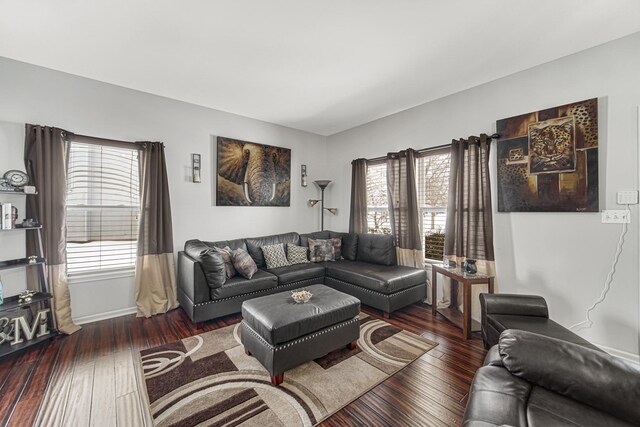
column 282, row 334
column 302, row 296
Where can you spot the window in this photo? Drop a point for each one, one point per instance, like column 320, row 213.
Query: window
column 432, row 173
column 103, row 203
column 433, row 194
column 378, row 218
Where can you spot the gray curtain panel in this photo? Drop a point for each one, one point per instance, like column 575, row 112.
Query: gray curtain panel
column 469, row 229
column 45, row 159
column 156, row 290
column 358, row 213
column 403, row 199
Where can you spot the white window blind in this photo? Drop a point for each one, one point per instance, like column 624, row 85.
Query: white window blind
column 103, row 203
column 433, row 195
column 378, row 218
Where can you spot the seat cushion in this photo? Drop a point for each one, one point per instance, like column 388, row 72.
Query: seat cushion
column 546, row 408
column 380, row 278
column 278, row 319
column 538, row 325
column 238, row 285
column 297, row 272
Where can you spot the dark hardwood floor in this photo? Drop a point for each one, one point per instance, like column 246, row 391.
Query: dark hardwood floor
column 88, row 378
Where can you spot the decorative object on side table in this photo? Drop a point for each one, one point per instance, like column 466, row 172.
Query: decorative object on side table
column 33, row 259
column 301, row 297
column 469, row 266
column 322, row 183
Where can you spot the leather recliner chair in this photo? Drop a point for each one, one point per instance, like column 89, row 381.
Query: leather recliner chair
column 534, row 380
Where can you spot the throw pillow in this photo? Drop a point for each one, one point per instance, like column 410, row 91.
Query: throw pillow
column 228, row 262
column 243, row 263
column 297, row 254
column 274, row 256
column 337, row 247
column 213, row 267
column 321, row 250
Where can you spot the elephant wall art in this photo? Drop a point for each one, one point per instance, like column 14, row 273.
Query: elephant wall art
column 251, row 174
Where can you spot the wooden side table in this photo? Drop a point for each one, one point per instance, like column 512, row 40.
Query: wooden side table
column 457, row 276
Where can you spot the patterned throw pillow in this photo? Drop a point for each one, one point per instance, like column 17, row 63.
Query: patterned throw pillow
column 297, row 254
column 243, row 263
column 274, row 256
column 228, row 262
column 337, row 247
column 321, row 250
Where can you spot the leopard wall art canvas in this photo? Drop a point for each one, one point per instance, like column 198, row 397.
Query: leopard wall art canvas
column 548, row 160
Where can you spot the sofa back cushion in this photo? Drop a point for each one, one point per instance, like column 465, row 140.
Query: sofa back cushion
column 233, row 244
column 377, row 249
column 349, row 248
column 212, row 262
column 255, row 243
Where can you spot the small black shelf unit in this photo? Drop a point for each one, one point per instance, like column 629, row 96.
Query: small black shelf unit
column 13, row 306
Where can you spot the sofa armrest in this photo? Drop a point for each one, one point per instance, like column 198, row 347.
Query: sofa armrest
column 522, row 305
column 598, row 379
column 191, row 279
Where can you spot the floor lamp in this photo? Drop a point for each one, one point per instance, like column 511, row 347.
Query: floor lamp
column 323, row 183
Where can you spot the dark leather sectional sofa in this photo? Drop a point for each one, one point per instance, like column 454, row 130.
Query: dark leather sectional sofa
column 538, row 373
column 369, row 271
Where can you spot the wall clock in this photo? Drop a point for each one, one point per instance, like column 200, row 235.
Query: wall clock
column 16, row 178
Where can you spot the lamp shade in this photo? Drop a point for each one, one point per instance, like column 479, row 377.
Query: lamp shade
column 322, row 183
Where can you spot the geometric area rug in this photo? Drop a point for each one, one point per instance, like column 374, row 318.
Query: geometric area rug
column 209, row 380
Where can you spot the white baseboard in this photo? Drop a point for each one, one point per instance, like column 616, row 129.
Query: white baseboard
column 104, row 316
column 620, row 353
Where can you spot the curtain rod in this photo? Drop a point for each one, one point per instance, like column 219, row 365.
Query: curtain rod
column 85, row 139
column 437, row 147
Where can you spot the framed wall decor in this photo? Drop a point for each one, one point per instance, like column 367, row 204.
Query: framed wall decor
column 548, row 160
column 251, row 174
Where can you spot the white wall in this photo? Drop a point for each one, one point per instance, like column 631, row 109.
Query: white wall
column 563, row 256
column 31, row 94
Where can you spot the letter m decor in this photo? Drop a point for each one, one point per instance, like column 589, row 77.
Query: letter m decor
column 39, row 325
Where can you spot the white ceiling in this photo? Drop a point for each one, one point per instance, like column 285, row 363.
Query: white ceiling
column 322, row 66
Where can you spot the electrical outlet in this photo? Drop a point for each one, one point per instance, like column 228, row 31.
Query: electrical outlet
column 628, row 197
column 616, row 216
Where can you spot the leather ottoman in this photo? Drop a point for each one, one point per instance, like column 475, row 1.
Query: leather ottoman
column 282, row 334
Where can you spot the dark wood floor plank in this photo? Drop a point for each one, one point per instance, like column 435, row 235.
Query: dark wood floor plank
column 137, row 331
column 57, row 390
